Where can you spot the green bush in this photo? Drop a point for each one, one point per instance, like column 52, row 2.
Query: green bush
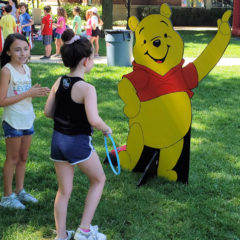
column 187, row 16
column 69, row 9
column 120, row 23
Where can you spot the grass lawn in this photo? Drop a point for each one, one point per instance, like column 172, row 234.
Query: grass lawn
column 194, row 43
column 206, row 209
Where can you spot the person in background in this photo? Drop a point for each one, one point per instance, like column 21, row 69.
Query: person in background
column 47, row 31
column 25, row 20
column 14, row 12
column 77, row 21
column 88, row 26
column 2, row 11
column 7, row 22
column 60, row 28
column 96, row 22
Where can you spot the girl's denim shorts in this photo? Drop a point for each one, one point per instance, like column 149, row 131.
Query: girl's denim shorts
column 9, row 131
column 71, row 148
column 58, row 36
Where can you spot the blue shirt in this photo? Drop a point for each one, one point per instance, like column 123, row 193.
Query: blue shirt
column 25, row 19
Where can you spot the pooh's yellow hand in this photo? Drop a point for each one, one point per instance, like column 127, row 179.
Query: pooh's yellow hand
column 215, row 49
column 128, row 94
column 223, row 25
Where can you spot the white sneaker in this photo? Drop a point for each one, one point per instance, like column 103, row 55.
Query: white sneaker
column 23, row 196
column 100, row 236
column 92, row 235
column 69, row 236
column 11, row 201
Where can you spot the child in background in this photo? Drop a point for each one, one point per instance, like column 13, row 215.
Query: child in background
column 25, row 20
column 72, row 104
column 7, row 22
column 14, row 5
column 96, row 22
column 16, row 93
column 77, row 21
column 60, row 28
column 46, row 31
column 89, row 24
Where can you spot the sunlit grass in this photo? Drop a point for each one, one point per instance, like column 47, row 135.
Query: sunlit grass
column 196, row 41
column 208, row 208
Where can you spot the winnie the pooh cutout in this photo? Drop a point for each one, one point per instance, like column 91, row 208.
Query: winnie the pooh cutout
column 157, row 94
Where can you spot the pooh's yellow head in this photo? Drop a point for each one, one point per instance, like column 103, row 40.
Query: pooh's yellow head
column 158, row 46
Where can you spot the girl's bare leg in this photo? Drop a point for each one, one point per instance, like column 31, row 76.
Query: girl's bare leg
column 92, row 40
column 21, row 165
column 93, row 169
column 58, row 43
column 65, row 173
column 13, row 146
column 96, row 45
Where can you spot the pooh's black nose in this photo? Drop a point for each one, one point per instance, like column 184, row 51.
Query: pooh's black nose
column 157, row 43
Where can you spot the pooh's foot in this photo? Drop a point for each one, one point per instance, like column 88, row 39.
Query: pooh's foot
column 125, row 160
column 170, row 175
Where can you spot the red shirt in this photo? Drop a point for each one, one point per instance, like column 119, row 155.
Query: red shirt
column 47, row 21
column 150, row 85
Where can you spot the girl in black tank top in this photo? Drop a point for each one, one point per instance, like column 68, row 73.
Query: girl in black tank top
column 72, row 104
column 70, row 117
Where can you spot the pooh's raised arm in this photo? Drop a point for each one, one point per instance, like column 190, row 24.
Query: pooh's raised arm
column 215, row 49
column 128, row 94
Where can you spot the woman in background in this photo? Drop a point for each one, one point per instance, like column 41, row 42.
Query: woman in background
column 96, row 22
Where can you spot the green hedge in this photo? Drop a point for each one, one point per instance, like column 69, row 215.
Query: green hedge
column 69, row 9
column 187, row 16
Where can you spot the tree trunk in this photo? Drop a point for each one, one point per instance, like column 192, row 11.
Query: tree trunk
column 128, row 10
column 59, row 4
column 107, row 9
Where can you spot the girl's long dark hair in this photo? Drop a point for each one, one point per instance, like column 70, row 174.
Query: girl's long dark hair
column 5, row 58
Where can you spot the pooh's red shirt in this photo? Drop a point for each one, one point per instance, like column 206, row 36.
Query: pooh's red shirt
column 150, row 84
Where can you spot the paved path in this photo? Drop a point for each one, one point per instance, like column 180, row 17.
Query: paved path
column 36, row 59
column 103, row 60
column 222, row 62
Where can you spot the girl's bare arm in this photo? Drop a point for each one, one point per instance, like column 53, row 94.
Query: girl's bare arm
column 90, row 101
column 50, row 104
column 35, row 91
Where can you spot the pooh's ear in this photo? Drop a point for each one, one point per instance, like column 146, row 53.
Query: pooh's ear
column 165, row 10
column 132, row 23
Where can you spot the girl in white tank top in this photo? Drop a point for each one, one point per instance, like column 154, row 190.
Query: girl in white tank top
column 16, row 93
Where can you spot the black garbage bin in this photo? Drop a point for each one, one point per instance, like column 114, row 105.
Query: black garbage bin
column 119, row 47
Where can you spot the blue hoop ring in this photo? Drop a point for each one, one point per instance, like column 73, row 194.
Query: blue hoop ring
column 109, row 159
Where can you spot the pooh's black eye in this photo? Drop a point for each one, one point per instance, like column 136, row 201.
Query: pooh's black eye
column 144, row 41
column 165, row 35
